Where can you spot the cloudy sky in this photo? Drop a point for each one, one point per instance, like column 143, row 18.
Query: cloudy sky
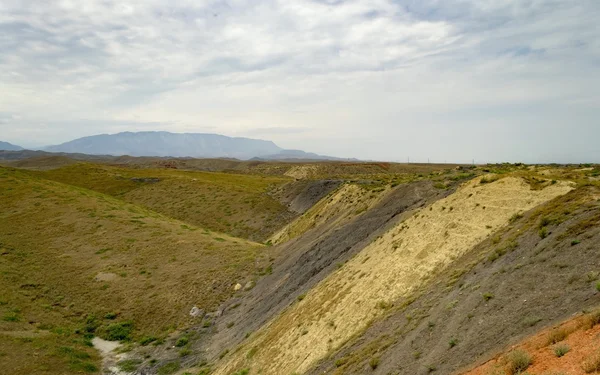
column 455, row 80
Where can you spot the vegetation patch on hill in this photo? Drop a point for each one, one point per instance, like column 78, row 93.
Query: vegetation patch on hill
column 76, row 263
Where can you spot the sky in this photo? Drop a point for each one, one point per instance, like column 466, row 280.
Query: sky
column 438, row 80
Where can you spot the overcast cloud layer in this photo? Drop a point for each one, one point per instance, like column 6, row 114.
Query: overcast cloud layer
column 489, row 80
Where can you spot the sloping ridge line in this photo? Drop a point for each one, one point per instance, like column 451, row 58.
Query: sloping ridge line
column 388, row 269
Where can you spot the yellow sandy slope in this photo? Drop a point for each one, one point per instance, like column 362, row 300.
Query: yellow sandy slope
column 386, row 270
column 339, row 207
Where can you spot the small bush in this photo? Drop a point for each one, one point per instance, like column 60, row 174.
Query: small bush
column 488, row 179
column 487, row 296
column 575, row 242
column 592, row 320
column 561, row 349
column 383, row 305
column 556, row 336
column 169, row 368
column 251, row 352
column 544, row 222
column 453, row 342
column 182, row 341
column 223, row 353
column 129, row 365
column 110, row 316
column 592, row 364
column 117, row 331
column 530, row 321
column 515, row 217
column 374, row 362
column 341, row 361
column 301, row 296
column 518, row 361
column 11, row 317
column 244, row 371
column 543, row 233
column 147, row 340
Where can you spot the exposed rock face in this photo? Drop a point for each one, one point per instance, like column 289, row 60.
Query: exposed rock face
column 196, row 312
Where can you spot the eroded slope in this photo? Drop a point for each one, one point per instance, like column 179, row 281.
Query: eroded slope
column 342, row 206
column 386, row 270
column 539, row 270
column 304, row 261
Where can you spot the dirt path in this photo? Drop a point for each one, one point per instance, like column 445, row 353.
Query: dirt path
column 109, row 356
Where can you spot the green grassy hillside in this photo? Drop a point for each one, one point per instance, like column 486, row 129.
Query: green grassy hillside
column 230, row 203
column 76, row 262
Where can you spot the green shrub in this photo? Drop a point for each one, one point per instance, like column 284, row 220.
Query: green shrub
column 341, row 361
column 487, row 296
column 117, row 331
column 556, row 336
column 223, row 353
column 147, row 340
column 182, row 341
column 11, row 317
column 374, row 362
column 453, row 342
column 251, row 352
column 518, row 361
column 110, row 316
column 561, row 349
column 575, row 242
column 129, row 365
column 544, row 222
column 515, row 217
column 169, row 368
column 543, row 232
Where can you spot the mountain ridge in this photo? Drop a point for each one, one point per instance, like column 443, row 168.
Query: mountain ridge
column 167, row 144
column 9, row 146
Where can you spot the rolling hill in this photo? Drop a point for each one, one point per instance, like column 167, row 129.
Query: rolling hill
column 297, row 268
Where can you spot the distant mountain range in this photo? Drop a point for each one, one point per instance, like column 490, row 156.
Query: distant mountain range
column 195, row 145
column 9, row 146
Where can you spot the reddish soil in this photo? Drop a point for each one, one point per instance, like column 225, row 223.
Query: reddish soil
column 584, row 344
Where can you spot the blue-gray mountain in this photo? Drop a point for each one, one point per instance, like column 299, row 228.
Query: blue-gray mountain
column 9, row 146
column 195, row 145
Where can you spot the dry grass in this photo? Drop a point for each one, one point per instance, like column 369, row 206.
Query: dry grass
column 517, row 361
column 592, row 364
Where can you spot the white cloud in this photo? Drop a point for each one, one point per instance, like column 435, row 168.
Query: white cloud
column 373, row 79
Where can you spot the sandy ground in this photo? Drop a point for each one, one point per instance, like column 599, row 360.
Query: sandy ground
column 109, row 356
column 384, row 272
